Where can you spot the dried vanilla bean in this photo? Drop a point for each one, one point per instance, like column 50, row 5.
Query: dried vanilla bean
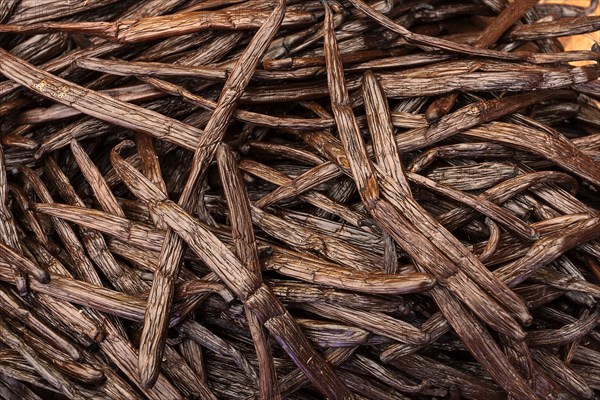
column 153, row 334
column 294, row 199
column 158, row 27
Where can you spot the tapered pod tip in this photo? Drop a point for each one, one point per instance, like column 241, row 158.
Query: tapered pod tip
column 148, row 375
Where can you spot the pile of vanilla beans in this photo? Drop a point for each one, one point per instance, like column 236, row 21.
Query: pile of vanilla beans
column 302, row 199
